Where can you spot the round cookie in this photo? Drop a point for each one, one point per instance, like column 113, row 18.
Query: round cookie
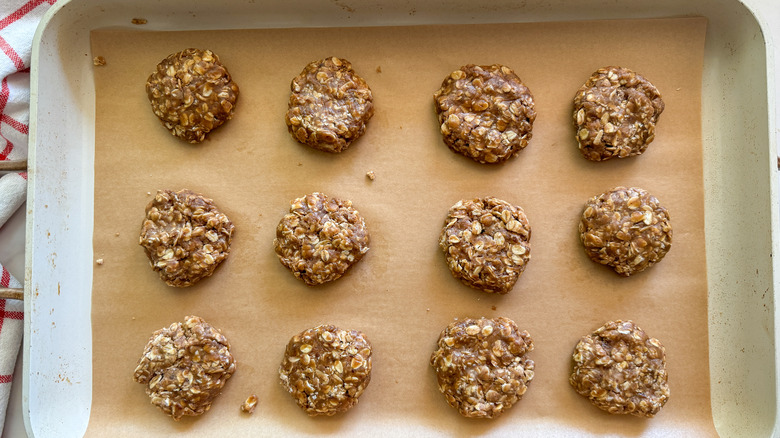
column 326, row 369
column 320, row 238
column 184, row 367
column 621, row 370
column 482, row 365
column 330, row 105
column 485, row 112
column 192, row 93
column 626, row 229
column 185, row 236
column 486, row 242
column 615, row 113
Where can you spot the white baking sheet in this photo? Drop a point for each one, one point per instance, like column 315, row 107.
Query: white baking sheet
column 734, row 113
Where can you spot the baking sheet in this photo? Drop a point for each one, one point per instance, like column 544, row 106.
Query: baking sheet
column 401, row 294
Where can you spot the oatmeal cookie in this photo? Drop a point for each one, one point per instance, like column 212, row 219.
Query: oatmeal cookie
column 621, row 370
column 320, row 238
column 185, row 236
column 326, row 369
column 482, row 365
column 485, row 112
column 192, row 93
column 330, row 105
column 184, row 367
column 615, row 113
column 626, row 229
column 486, row 242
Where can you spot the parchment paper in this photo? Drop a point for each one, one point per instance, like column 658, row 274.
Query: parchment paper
column 401, row 294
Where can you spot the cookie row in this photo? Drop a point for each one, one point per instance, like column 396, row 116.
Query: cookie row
column 486, row 241
column 482, row 367
column 485, row 112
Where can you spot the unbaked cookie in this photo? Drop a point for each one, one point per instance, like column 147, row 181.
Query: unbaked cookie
column 330, row 105
column 615, row 113
column 185, row 236
column 320, row 238
column 184, row 367
column 485, row 112
column 192, row 93
column 626, row 229
column 482, row 365
column 326, row 369
column 621, row 370
column 486, row 242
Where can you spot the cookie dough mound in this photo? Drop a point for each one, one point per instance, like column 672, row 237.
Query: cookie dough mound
column 626, row 229
column 485, row 112
column 330, row 105
column 326, row 369
column 185, row 236
column 482, row 365
column 184, row 367
column 615, row 113
column 192, row 94
column 320, row 238
column 621, row 370
column 486, row 242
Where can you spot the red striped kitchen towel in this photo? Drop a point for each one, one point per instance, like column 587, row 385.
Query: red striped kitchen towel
column 11, row 328
column 18, row 21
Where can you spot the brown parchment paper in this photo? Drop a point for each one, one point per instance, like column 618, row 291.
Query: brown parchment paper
column 401, row 294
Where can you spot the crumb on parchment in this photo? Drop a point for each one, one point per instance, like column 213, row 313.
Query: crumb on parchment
column 249, row 404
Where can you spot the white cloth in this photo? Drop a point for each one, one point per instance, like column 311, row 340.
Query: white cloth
column 11, row 328
column 13, row 189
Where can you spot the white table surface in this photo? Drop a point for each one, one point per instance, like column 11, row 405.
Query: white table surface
column 12, row 233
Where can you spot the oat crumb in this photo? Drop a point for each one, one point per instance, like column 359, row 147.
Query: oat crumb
column 148, row 193
column 99, row 60
column 99, row 261
column 493, row 307
column 138, row 21
column 116, row 234
column 379, row 69
column 249, row 404
column 371, row 175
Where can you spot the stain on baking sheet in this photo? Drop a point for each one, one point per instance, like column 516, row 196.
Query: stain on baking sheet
column 343, row 6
